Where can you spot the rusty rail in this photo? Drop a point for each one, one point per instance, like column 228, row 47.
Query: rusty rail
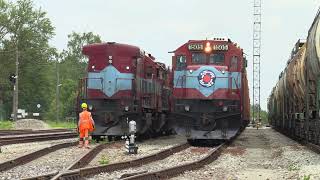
column 30, row 131
column 34, row 138
column 79, row 163
column 176, row 170
column 83, row 172
column 32, row 156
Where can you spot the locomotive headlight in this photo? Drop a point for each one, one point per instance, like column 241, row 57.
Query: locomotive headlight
column 126, row 108
column 110, row 59
column 127, row 68
column 187, row 108
column 90, row 107
column 208, row 48
column 223, row 71
column 191, row 71
column 225, row 108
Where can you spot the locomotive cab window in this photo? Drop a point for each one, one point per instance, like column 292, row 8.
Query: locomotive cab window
column 181, row 62
column 198, row 58
column 217, row 59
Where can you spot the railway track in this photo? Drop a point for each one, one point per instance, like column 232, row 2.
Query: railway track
column 30, row 131
column 32, row 156
column 38, row 137
column 76, row 170
column 176, row 170
column 79, row 163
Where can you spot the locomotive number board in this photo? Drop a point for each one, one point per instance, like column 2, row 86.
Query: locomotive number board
column 195, row 47
column 215, row 47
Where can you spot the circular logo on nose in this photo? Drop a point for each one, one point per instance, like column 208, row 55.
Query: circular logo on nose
column 206, row 78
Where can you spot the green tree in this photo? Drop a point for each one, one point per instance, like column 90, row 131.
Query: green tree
column 72, row 67
column 263, row 114
column 24, row 27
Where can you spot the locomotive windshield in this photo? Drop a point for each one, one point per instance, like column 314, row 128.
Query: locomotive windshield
column 198, row 58
column 202, row 58
column 217, row 59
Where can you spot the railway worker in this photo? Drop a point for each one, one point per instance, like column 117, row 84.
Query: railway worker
column 85, row 126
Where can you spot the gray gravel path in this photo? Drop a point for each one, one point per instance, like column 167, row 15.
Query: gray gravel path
column 260, row 155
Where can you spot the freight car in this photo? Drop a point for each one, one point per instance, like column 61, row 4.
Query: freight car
column 210, row 90
column 294, row 102
column 124, row 83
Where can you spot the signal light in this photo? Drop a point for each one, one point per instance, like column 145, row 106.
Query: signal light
column 12, row 78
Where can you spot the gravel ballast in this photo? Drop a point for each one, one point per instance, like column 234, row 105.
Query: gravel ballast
column 34, row 124
column 116, row 153
column 52, row 162
column 189, row 155
column 260, row 155
column 13, row 151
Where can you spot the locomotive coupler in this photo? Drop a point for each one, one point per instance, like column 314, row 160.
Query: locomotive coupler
column 130, row 144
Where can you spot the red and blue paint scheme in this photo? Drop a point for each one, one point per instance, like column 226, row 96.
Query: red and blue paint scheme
column 123, row 83
column 210, row 89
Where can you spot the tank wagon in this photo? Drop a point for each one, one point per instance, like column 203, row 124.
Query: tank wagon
column 210, row 90
column 294, row 102
column 124, row 83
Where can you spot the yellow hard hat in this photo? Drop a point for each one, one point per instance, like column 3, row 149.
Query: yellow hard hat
column 84, row 106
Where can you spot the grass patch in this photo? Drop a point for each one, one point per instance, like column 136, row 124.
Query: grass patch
column 104, row 160
column 293, row 167
column 306, row 177
column 6, row 124
column 61, row 124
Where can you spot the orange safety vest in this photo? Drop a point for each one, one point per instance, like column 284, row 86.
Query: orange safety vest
column 85, row 121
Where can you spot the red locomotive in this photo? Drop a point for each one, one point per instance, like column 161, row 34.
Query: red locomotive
column 210, row 89
column 123, row 83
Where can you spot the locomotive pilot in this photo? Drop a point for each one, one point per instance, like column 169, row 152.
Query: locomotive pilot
column 85, row 126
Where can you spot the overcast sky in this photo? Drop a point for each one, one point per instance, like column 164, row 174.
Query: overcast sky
column 160, row 26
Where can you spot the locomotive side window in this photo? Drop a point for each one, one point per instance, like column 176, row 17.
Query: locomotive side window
column 181, row 62
column 234, row 63
column 198, row 58
column 217, row 59
column 149, row 72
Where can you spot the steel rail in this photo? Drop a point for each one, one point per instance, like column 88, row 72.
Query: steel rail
column 79, row 163
column 34, row 138
column 29, row 131
column 176, row 170
column 88, row 171
column 32, row 156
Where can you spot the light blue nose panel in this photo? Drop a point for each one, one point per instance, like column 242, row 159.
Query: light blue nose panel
column 186, row 79
column 110, row 80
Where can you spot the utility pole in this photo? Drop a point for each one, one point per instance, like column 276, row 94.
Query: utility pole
column 16, row 85
column 57, row 91
column 256, row 60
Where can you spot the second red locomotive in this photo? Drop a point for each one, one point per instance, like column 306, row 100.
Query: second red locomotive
column 124, row 83
column 210, row 89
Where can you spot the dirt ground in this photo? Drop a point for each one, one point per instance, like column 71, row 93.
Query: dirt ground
column 262, row 154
